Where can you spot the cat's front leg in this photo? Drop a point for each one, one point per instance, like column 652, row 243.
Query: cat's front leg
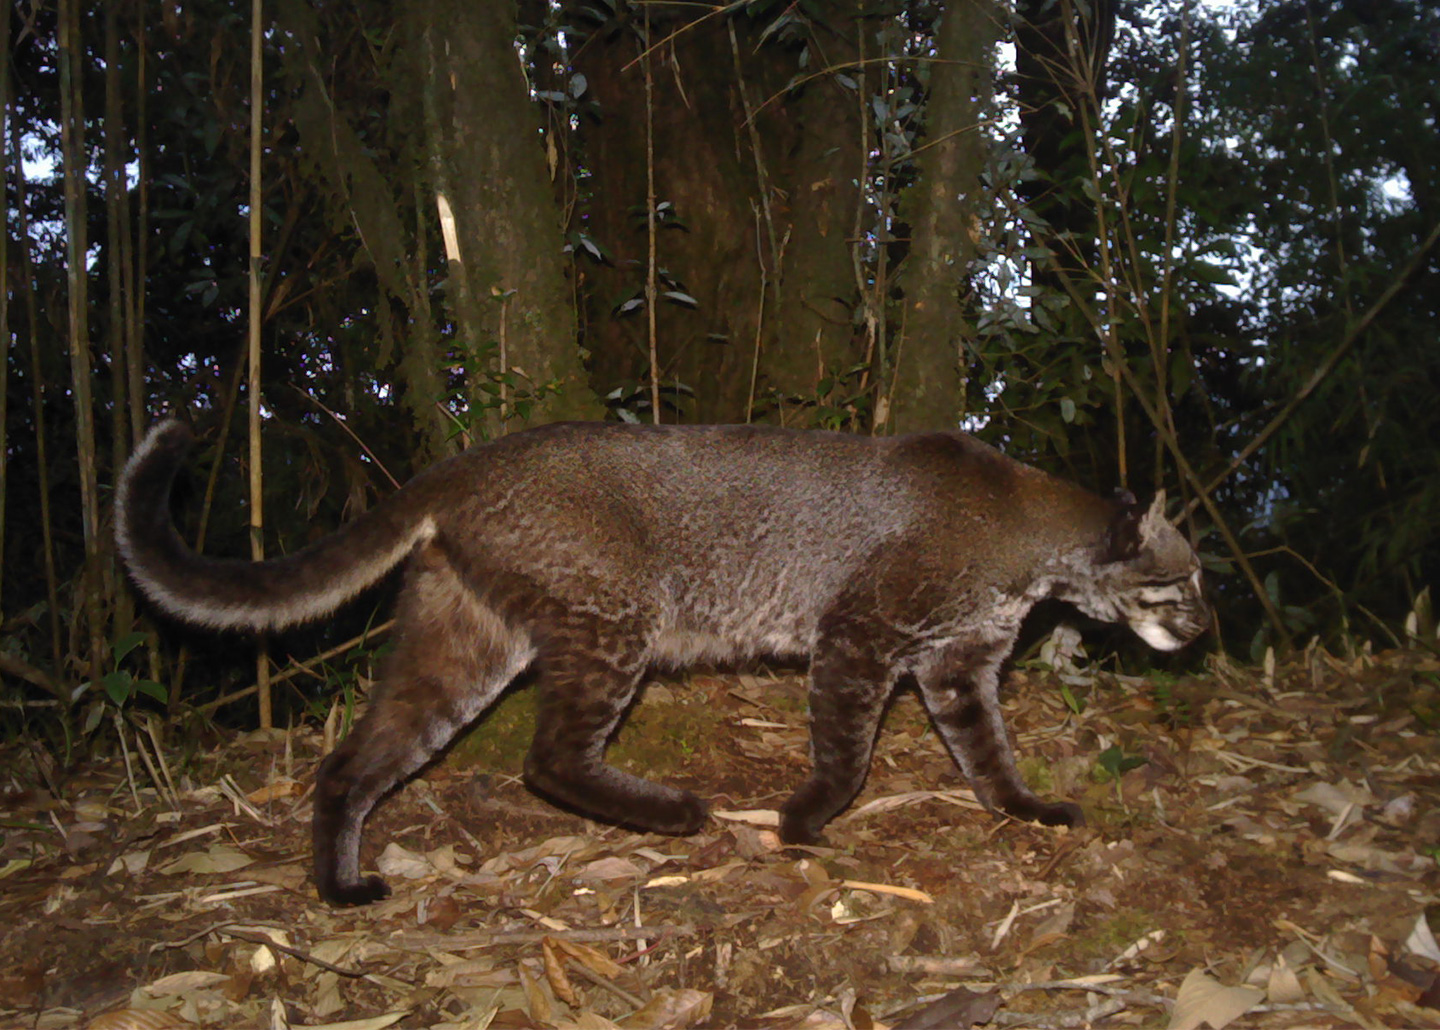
column 848, row 690
column 960, row 688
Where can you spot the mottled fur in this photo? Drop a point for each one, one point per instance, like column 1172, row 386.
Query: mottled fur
column 588, row 553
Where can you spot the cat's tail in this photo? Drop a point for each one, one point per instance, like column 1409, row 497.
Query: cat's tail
column 253, row 595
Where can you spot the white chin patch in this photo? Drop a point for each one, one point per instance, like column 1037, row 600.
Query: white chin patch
column 1157, row 636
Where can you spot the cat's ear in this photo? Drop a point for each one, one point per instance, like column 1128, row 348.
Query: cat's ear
column 1154, row 520
column 1123, row 536
column 1132, row 526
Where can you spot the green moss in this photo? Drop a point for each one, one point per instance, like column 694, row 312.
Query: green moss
column 499, row 741
column 660, row 738
column 655, row 738
column 1038, row 774
column 1108, row 936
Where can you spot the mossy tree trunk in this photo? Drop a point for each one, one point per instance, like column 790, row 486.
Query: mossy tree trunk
column 762, row 188
column 814, row 335
column 508, row 294
column 928, row 386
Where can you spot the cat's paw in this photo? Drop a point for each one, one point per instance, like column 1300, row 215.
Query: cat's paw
column 1030, row 809
column 366, row 891
column 797, row 828
column 1058, row 813
column 682, row 815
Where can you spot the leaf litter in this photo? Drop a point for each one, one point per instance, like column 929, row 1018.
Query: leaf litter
column 1262, row 852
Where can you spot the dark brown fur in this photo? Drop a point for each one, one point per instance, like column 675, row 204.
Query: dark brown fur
column 588, row 553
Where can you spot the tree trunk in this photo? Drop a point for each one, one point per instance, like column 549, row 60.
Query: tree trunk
column 708, row 247
column 507, row 289
column 927, row 381
column 813, row 333
column 762, row 187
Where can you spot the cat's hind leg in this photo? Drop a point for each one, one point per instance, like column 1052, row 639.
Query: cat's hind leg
column 960, row 688
column 587, row 672
column 452, row 658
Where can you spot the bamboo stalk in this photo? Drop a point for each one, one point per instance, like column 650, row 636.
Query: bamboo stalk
column 257, row 515
column 37, row 393
column 5, row 114
column 72, row 129
column 139, row 275
column 114, row 182
column 650, row 291
column 1160, row 344
column 117, row 203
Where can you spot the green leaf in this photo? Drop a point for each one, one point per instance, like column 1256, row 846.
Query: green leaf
column 1116, row 762
column 152, row 689
column 126, row 644
column 118, row 686
column 1067, row 409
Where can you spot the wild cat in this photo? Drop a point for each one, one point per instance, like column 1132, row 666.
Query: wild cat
column 587, row 553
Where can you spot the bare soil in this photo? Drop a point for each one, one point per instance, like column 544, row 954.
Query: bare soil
column 1261, row 852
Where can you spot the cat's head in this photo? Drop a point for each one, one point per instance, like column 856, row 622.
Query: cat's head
column 1147, row 575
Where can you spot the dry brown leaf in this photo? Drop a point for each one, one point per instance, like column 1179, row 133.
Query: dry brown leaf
column 470, row 973
column 555, row 972
column 1335, row 798
column 753, row 816
column 1368, row 856
column 1327, row 995
column 610, row 868
column 1056, row 927
column 1421, row 941
column 218, row 858
column 536, row 1000
column 1206, row 1000
column 714, row 874
column 591, row 958
column 1283, row 987
column 137, row 1019
column 281, row 788
column 671, row 1010
column 184, row 983
column 588, row 1020
column 397, row 861
column 961, row 1007
column 372, row 1023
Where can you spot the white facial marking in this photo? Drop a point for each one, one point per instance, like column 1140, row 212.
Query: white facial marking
column 1156, row 635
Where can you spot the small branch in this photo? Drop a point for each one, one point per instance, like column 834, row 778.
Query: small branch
column 12, row 666
column 600, row 981
column 1323, row 370
column 296, row 953
column 461, row 941
column 297, row 668
column 346, row 426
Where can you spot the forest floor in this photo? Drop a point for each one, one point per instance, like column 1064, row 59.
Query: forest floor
column 1267, row 857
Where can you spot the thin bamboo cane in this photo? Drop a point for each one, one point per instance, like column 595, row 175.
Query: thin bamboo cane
column 72, row 118
column 5, row 114
column 37, row 394
column 650, row 227
column 257, row 481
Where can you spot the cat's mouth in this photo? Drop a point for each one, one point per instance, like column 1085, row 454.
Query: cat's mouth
column 1164, row 637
